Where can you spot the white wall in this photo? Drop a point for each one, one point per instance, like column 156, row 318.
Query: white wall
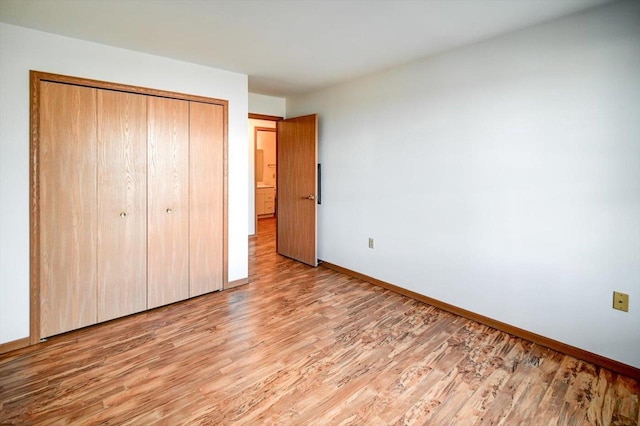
column 503, row 178
column 21, row 50
column 265, row 105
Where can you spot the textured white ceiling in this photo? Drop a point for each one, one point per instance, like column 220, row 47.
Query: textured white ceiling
column 287, row 46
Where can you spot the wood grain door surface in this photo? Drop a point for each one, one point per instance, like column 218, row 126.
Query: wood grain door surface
column 168, row 201
column 129, row 206
column 206, row 175
column 297, row 185
column 68, row 208
column 122, row 204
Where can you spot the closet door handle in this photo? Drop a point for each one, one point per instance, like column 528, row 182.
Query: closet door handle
column 169, row 211
column 123, row 214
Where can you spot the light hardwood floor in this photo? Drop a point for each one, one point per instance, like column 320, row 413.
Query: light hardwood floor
column 300, row 345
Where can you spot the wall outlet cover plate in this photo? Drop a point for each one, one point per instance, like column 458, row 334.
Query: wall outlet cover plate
column 621, row 301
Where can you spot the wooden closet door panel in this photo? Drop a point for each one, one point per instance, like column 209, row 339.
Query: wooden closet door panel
column 206, row 171
column 168, row 201
column 67, row 141
column 122, row 204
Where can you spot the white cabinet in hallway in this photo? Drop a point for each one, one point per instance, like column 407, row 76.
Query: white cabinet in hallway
column 265, row 201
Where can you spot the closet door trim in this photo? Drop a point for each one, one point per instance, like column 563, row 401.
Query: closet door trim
column 36, row 77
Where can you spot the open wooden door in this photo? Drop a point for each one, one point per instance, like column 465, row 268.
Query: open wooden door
column 297, row 185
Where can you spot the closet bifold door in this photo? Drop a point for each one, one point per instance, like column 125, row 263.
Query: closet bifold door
column 122, row 204
column 206, row 173
column 168, row 201
column 68, row 217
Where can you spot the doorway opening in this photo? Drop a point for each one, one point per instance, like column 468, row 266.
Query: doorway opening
column 263, row 140
column 286, row 184
column 265, row 175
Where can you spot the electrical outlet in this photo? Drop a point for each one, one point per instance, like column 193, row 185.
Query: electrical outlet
column 370, row 243
column 620, row 301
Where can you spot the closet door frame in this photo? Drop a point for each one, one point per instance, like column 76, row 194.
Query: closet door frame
column 36, row 77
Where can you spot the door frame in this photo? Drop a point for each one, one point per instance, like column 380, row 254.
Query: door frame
column 36, row 77
column 255, row 166
column 275, row 119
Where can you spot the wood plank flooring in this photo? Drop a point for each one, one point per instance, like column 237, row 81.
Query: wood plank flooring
column 297, row 346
